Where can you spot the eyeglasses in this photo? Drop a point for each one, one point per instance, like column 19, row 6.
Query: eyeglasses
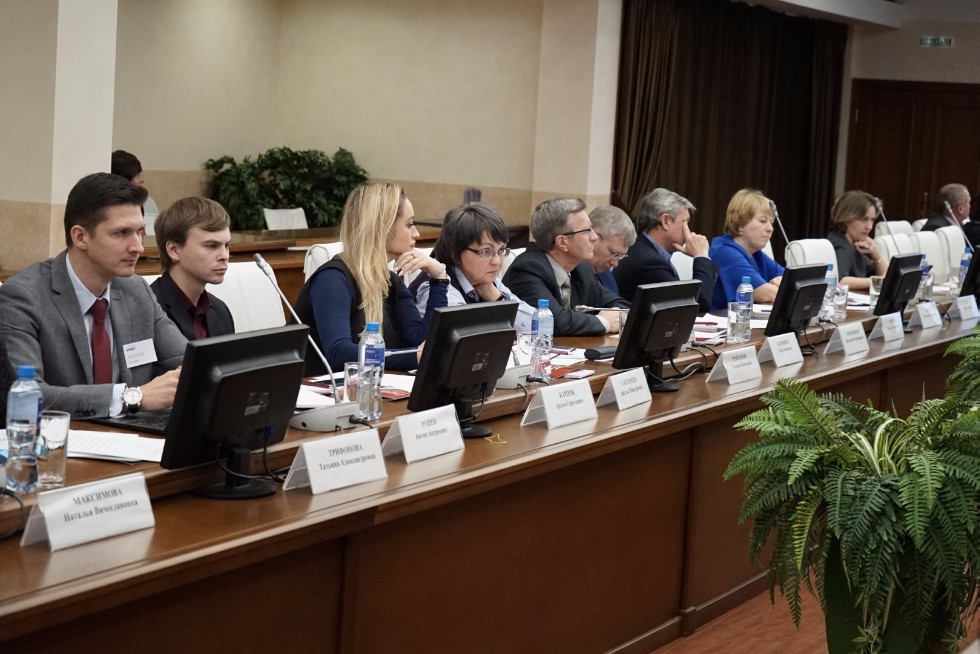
column 578, row 231
column 613, row 256
column 490, row 253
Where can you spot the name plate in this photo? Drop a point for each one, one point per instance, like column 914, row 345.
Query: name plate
column 337, row 462
column 926, row 315
column 965, row 308
column 626, row 389
column 849, row 337
column 782, row 350
column 737, row 366
column 425, row 434
column 889, row 327
column 562, row 404
column 70, row 516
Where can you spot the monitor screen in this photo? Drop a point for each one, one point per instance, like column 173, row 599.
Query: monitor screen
column 900, row 284
column 971, row 282
column 660, row 322
column 798, row 299
column 236, row 393
column 465, row 353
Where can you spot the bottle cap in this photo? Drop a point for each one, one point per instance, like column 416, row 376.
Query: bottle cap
column 746, row 279
column 830, row 267
column 373, row 327
column 543, row 303
column 26, row 371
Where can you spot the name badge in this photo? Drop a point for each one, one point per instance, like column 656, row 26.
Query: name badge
column 337, row 462
column 889, row 328
column 562, row 404
column 965, row 308
column 848, row 337
column 140, row 353
column 782, row 350
column 926, row 315
column 736, row 366
column 626, row 389
column 70, row 516
column 425, row 434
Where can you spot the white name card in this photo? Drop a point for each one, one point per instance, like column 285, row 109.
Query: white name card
column 782, row 350
column 850, row 338
column 926, row 315
column 425, row 434
column 889, row 327
column 737, row 366
column 337, row 462
column 965, row 308
column 561, row 404
column 70, row 516
column 626, row 389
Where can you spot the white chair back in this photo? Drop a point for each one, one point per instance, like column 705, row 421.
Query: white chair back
column 509, row 259
column 889, row 246
column 285, row 218
column 928, row 244
column 319, row 254
column 917, row 225
column 683, row 264
column 768, row 250
column 896, row 227
column 953, row 243
column 810, row 250
column 250, row 296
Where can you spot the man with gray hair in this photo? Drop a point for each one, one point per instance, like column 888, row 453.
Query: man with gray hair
column 555, row 267
column 616, row 234
column 662, row 219
column 957, row 198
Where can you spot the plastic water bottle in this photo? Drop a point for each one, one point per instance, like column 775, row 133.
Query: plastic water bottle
column 371, row 359
column 23, row 409
column 965, row 264
column 827, row 308
column 743, row 320
column 543, row 331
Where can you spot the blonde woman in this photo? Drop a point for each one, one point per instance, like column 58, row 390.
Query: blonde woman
column 357, row 286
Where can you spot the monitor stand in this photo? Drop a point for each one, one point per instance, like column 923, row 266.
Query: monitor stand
column 464, row 413
column 655, row 378
column 237, row 485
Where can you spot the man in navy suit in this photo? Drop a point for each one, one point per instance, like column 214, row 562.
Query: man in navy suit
column 194, row 235
column 957, row 197
column 662, row 219
column 616, row 234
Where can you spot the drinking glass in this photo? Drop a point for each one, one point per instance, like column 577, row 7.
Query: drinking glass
column 351, row 381
column 874, row 291
column 840, row 301
column 52, row 449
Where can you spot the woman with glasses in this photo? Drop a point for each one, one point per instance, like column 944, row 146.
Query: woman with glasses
column 473, row 244
column 357, row 286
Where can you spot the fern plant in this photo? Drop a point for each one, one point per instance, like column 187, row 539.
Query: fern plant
column 892, row 502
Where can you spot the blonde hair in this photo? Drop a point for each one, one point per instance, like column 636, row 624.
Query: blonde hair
column 369, row 214
column 743, row 207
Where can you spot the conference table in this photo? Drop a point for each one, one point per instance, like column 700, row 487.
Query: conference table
column 615, row 534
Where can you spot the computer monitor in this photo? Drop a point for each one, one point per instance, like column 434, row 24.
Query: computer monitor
column 900, row 284
column 236, row 393
column 660, row 321
column 971, row 282
column 465, row 353
column 798, row 299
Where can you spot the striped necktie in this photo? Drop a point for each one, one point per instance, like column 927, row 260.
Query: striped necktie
column 566, row 294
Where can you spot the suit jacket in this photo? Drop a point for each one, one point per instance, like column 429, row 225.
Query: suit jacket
column 532, row 278
column 219, row 319
column 935, row 222
column 41, row 325
column 645, row 265
column 608, row 279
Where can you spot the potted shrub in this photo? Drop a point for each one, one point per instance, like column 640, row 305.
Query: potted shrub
column 874, row 514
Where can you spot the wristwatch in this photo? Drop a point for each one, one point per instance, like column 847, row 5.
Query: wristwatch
column 132, row 397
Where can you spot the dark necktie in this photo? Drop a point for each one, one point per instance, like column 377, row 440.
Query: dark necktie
column 101, row 350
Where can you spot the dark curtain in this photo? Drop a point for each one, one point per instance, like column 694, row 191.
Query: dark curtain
column 746, row 97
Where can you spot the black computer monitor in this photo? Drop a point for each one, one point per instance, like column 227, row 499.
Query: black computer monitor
column 798, row 299
column 900, row 284
column 236, row 393
column 660, row 321
column 465, row 353
column 971, row 282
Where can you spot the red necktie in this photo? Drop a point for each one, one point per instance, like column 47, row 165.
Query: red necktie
column 101, row 350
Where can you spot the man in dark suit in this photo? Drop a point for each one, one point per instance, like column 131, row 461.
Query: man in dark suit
column 957, row 198
column 556, row 268
column 194, row 235
column 662, row 219
column 93, row 331
column 616, row 234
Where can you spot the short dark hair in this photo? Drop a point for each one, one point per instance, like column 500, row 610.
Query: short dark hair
column 92, row 194
column 126, row 165
column 178, row 219
column 464, row 226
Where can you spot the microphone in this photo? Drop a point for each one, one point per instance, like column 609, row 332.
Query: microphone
column 880, row 207
column 775, row 214
column 327, row 415
column 952, row 216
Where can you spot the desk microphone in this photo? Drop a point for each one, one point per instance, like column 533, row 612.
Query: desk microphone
column 952, row 216
column 324, row 415
column 888, row 228
column 775, row 214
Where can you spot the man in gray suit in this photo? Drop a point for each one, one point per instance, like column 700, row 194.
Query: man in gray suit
column 94, row 332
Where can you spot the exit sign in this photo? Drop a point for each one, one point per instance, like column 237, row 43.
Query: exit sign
column 936, row 41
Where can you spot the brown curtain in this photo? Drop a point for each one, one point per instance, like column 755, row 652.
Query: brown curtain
column 752, row 99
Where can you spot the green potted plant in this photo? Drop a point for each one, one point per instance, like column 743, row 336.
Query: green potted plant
column 874, row 514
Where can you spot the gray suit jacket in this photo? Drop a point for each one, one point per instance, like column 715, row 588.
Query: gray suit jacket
column 41, row 325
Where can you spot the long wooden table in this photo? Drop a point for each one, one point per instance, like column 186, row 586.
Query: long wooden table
column 612, row 535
